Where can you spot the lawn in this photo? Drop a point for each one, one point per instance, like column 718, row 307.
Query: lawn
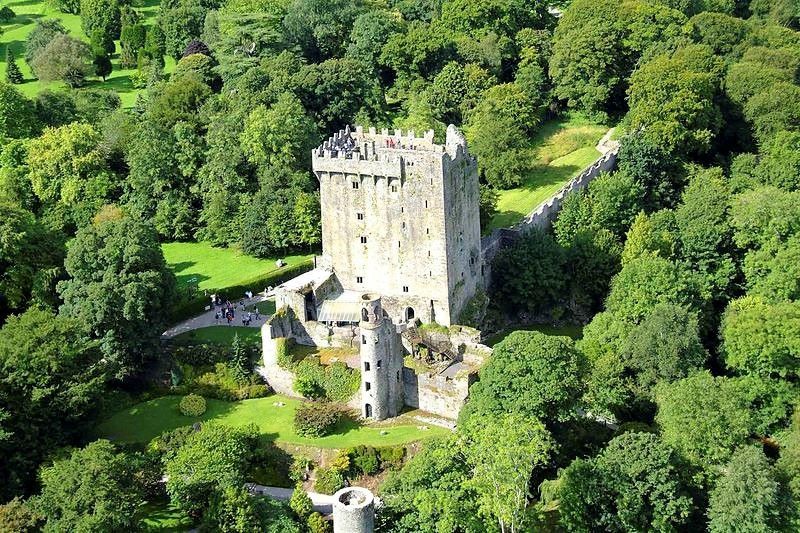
column 573, row 331
column 561, row 149
column 221, row 335
column 29, row 11
column 144, row 421
column 164, row 518
column 217, row 268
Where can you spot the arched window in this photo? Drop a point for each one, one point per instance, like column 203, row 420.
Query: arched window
column 410, row 314
column 367, row 411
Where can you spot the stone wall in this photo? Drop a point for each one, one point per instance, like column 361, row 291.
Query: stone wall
column 435, row 393
column 400, row 218
column 545, row 213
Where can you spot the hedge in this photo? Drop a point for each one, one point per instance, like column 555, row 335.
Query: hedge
column 193, row 405
column 193, row 307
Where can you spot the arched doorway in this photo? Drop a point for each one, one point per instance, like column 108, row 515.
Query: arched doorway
column 410, row 314
column 367, row 411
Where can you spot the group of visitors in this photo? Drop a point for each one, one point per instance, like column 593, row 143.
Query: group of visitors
column 227, row 310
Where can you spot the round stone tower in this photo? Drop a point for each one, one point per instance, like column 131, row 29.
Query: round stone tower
column 376, row 354
column 353, row 511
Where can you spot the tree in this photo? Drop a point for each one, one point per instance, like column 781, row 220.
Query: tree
column 651, row 235
column 780, row 163
column 281, row 135
column 774, row 109
column 133, row 38
column 719, row 31
column 51, row 379
column 120, row 289
column 92, row 488
column 17, row 117
column 181, row 22
column 6, row 14
column 635, row 484
column 64, row 58
column 320, row 28
column 764, row 507
column 529, row 374
column 530, row 275
column 654, row 168
column 502, row 456
column 430, row 490
column 13, row 74
column 102, row 66
column 43, row 32
column 588, row 66
column 211, row 460
column 762, row 338
column 234, row 510
column 18, row 516
column 300, row 503
column 672, row 99
column 773, row 271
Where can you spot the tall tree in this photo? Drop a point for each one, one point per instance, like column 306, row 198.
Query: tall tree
column 120, row 290
column 13, row 74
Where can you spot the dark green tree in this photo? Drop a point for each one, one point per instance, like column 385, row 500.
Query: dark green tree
column 102, row 66
column 40, row 36
column 13, row 74
column 120, row 290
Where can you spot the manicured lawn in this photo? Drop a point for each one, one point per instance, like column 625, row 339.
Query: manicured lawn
column 163, row 518
column 265, row 307
column 570, row 330
column 218, row 268
column 221, row 335
column 562, row 148
column 29, row 11
column 144, row 421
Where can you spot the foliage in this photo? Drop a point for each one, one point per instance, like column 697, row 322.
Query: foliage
column 13, row 74
column 765, row 506
column 120, row 290
column 300, row 503
column 316, row 419
column 92, row 488
column 193, row 405
column 65, row 59
column 211, row 460
column 762, row 338
column 40, row 36
column 530, row 374
column 51, row 381
column 234, row 510
column 19, row 516
column 635, row 484
column 17, row 118
column 335, row 382
column 328, row 480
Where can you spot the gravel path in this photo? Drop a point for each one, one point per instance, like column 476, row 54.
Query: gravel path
column 206, row 319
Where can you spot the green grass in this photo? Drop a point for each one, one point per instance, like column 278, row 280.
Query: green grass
column 144, row 421
column 265, row 307
column 29, row 11
column 561, row 148
column 221, row 335
column 163, row 518
column 218, row 268
column 573, row 331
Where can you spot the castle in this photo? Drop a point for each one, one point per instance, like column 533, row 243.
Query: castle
column 400, row 245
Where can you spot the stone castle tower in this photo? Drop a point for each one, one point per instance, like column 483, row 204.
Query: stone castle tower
column 400, row 218
column 381, row 362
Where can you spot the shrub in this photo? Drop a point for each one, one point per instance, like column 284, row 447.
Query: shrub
column 301, row 466
column 336, row 382
column 166, row 444
column 222, row 384
column 329, row 480
column 318, row 524
column 364, row 460
column 316, row 419
column 193, row 405
column 300, row 503
column 391, row 456
column 283, row 349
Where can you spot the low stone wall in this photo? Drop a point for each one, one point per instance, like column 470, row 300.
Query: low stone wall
column 545, row 213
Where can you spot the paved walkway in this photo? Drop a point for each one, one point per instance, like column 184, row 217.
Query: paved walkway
column 323, row 503
column 206, row 319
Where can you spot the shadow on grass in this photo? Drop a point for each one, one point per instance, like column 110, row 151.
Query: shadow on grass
column 21, row 3
column 271, row 464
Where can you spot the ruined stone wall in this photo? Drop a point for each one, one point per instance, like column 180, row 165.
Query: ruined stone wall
column 279, row 379
column 388, row 221
column 437, row 394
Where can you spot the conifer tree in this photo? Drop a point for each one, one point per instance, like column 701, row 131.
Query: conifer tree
column 13, row 74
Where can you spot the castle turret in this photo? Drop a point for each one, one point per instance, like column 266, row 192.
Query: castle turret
column 381, row 361
column 353, row 511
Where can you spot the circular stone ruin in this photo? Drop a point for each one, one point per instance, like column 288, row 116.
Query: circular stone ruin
column 353, row 511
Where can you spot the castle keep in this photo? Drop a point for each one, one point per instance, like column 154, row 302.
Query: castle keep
column 400, row 219
column 400, row 245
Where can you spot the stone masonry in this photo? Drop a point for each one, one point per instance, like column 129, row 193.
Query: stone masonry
column 400, row 218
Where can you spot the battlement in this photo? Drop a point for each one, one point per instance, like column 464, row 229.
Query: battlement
column 388, row 147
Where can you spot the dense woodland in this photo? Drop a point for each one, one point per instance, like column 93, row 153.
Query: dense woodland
column 674, row 412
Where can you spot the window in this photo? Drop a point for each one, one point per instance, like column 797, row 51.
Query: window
column 405, row 288
column 429, row 253
column 366, row 366
column 379, row 364
column 363, row 339
column 360, row 216
column 427, row 231
column 426, row 204
column 404, row 225
column 367, row 385
column 402, row 209
column 363, row 240
column 359, row 279
column 398, row 376
column 398, row 244
column 394, row 188
column 355, row 185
